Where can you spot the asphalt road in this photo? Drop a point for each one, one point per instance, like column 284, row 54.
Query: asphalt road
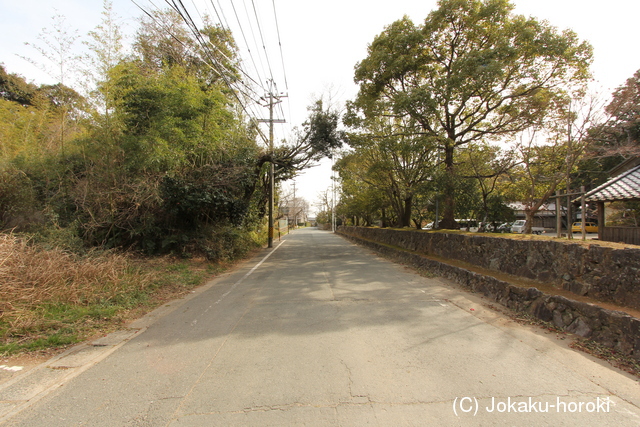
column 321, row 332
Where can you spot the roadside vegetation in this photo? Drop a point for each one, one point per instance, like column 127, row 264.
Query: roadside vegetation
column 51, row 298
column 476, row 108
column 133, row 178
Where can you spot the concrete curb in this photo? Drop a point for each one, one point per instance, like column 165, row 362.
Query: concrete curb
column 24, row 390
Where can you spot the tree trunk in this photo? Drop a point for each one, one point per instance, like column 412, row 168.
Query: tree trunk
column 406, row 214
column 448, row 217
column 528, row 214
column 398, row 206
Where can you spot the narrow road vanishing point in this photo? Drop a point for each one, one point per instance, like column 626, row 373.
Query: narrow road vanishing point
column 320, row 332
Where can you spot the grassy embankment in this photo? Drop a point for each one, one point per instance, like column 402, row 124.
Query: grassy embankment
column 52, row 298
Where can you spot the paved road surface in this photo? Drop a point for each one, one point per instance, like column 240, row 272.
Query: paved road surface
column 323, row 332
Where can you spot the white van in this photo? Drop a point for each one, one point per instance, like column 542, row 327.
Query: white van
column 518, row 227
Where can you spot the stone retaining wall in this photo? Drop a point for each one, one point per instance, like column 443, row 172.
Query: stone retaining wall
column 602, row 273
column 614, row 329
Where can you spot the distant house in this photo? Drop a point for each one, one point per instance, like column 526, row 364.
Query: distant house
column 623, row 187
column 295, row 215
column 545, row 216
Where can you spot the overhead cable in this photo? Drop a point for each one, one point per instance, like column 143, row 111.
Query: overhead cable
column 275, row 16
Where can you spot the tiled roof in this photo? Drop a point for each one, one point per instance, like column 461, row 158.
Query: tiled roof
column 625, row 186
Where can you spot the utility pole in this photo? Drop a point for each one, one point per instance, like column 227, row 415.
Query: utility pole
column 295, row 212
column 273, row 100
column 569, row 162
column 558, row 215
column 333, row 196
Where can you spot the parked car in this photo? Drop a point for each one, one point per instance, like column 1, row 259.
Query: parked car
column 504, row 228
column 428, row 226
column 519, row 226
column 487, row 227
column 590, row 227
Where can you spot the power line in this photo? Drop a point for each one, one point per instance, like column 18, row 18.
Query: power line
column 253, row 36
column 179, row 7
column 243, row 89
column 226, row 23
column 222, row 17
column 264, row 47
column 244, row 37
column 275, row 16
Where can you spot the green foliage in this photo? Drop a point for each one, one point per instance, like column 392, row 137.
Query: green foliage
column 319, row 137
column 210, row 194
column 51, row 236
column 57, row 339
column 227, row 242
column 488, row 166
column 468, row 198
column 14, row 88
column 498, row 211
column 323, row 217
column 391, row 157
column 49, row 118
column 17, row 198
column 169, row 120
column 180, row 161
column 472, row 71
column 322, row 131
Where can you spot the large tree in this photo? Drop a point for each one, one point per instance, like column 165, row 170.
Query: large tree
column 548, row 154
column 622, row 131
column 393, row 157
column 472, row 71
column 616, row 139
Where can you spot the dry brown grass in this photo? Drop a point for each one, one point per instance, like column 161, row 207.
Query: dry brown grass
column 28, row 274
column 53, row 298
column 31, row 277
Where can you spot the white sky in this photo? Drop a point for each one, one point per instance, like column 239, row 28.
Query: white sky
column 322, row 42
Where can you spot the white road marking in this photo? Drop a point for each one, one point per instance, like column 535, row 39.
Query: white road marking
column 11, row 368
column 249, row 273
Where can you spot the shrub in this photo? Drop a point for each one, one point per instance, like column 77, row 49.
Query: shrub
column 17, row 199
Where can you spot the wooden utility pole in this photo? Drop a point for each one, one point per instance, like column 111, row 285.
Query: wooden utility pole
column 569, row 161
column 295, row 212
column 273, row 100
column 558, row 215
column 583, row 206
